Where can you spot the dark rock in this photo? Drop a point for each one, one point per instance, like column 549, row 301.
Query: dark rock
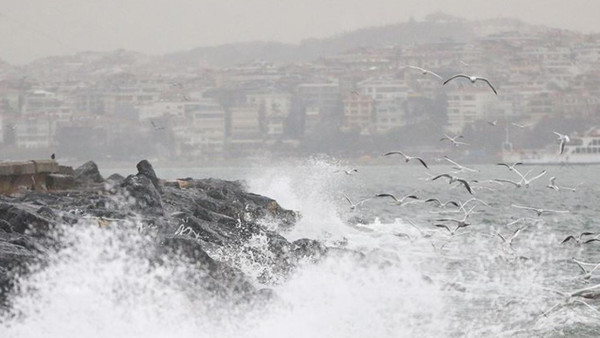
column 147, row 198
column 145, row 168
column 115, row 178
column 88, row 173
column 66, row 170
column 308, row 249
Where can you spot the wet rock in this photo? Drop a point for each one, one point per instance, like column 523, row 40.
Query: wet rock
column 146, row 198
column 88, row 173
column 308, row 249
column 145, row 169
column 115, row 178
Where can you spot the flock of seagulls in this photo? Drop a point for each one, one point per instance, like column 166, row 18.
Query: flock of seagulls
column 458, row 176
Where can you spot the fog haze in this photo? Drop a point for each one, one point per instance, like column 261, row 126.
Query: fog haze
column 31, row 29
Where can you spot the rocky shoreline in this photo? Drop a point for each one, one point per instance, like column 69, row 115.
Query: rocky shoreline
column 194, row 218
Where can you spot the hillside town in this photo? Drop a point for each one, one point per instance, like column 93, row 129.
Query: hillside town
column 357, row 103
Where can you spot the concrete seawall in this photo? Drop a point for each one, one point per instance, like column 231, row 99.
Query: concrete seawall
column 32, row 175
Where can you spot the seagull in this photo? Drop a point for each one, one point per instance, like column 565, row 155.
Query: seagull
column 451, row 231
column 579, row 239
column 442, row 205
column 508, row 241
column 462, row 205
column 540, row 211
column 510, row 167
column 406, row 157
column 553, row 185
column 352, row 204
column 563, row 140
column 453, row 140
column 473, row 79
column 347, row 172
column 461, row 223
column 588, row 292
column 523, row 181
column 493, row 123
column 155, row 127
column 423, row 233
column 460, row 167
column 425, row 71
column 452, row 179
column 398, row 201
column 519, row 125
column 586, row 274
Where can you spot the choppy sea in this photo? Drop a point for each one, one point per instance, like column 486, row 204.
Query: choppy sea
column 413, row 280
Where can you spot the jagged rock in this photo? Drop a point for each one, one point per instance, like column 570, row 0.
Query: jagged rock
column 193, row 219
column 88, row 173
column 145, row 168
column 147, row 198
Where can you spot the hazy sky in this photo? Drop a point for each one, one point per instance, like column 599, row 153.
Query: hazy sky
column 31, row 29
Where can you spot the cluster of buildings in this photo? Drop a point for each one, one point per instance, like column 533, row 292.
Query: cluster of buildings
column 122, row 103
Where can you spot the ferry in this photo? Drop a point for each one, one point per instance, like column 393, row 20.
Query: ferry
column 581, row 149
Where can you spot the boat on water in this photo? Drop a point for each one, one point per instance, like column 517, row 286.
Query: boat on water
column 581, row 149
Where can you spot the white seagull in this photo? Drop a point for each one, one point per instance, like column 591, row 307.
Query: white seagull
column 579, row 240
column 452, row 179
column 510, row 167
column 552, row 184
column 453, row 140
column 586, row 274
column 442, row 204
column 508, row 241
column 473, row 79
column 354, row 205
column 406, row 157
column 459, row 167
column 524, row 180
column 425, row 71
column 540, row 211
column 563, row 140
column 398, row 201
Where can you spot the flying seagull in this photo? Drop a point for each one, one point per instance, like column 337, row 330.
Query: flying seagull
column 540, row 211
column 563, row 140
column 473, row 79
column 523, row 181
column 459, row 167
column 406, row 157
column 425, row 71
column 398, row 201
column 452, row 179
column 508, row 241
column 354, row 205
column 586, row 274
column 579, row 240
column 552, row 184
column 510, row 167
column 442, row 204
column 493, row 123
column 347, row 172
column 453, row 140
column 460, row 222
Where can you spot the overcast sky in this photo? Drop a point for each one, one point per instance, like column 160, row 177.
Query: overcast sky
column 30, row 29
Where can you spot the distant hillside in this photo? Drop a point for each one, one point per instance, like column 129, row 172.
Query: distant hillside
column 308, row 50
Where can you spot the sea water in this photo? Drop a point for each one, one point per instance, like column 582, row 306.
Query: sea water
column 406, row 282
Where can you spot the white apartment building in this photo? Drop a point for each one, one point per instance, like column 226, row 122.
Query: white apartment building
column 468, row 105
column 34, row 133
column 276, row 107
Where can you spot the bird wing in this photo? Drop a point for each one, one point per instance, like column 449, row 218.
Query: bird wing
column 504, row 164
column 433, row 200
column 466, row 184
column 453, row 203
column 538, row 176
column 348, row 199
column 394, row 153
column 570, row 237
column 581, row 267
column 410, row 196
column 562, row 146
column 443, row 226
column 434, row 74
column 442, row 175
column 523, row 207
column 456, row 76
column 501, row 237
column 418, row 68
column 153, row 125
column 506, row 181
column 422, row 162
column 449, row 160
column 516, row 233
column 592, row 240
column 387, row 195
column 489, row 84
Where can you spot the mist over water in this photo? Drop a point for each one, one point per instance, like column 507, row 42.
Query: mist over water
column 377, row 283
